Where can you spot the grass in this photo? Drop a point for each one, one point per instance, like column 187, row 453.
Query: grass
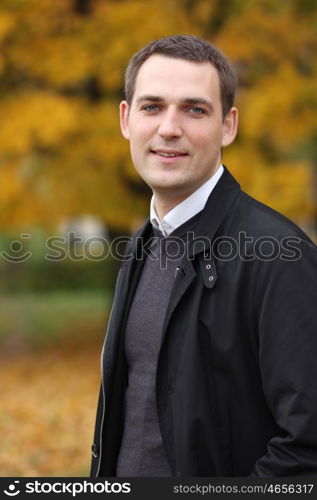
column 38, row 320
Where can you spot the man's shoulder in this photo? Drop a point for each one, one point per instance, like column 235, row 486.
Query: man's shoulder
column 259, row 219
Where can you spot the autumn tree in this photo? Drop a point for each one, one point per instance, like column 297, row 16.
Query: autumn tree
column 272, row 45
column 61, row 76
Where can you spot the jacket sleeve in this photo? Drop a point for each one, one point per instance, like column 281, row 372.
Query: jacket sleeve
column 286, row 308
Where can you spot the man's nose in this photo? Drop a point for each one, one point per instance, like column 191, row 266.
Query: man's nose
column 170, row 125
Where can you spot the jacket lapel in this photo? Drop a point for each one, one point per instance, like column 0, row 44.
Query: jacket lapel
column 214, row 214
column 217, row 209
column 184, row 276
column 125, row 289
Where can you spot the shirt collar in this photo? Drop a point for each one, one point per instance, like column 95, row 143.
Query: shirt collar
column 187, row 208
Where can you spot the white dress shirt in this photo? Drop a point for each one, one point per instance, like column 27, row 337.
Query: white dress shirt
column 187, row 208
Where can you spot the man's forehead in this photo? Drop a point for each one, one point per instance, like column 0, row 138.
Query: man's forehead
column 159, row 70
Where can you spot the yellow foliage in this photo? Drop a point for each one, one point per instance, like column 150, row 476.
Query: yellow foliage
column 48, row 420
column 285, row 186
column 284, row 117
column 62, row 78
column 11, row 184
column 62, row 62
column 268, row 32
column 35, row 119
column 7, row 23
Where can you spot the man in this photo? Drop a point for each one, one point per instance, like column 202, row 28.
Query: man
column 209, row 366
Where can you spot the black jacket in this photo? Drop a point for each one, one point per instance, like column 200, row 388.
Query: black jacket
column 236, row 377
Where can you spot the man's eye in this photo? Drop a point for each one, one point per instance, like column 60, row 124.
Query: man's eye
column 197, row 110
column 150, row 107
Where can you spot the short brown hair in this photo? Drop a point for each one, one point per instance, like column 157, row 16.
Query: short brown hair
column 190, row 48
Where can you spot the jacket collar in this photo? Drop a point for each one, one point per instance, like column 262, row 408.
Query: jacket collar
column 215, row 212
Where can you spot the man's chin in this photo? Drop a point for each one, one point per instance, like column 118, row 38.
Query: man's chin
column 166, row 185
column 171, row 190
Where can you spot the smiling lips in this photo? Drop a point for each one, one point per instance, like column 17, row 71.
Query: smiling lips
column 168, row 153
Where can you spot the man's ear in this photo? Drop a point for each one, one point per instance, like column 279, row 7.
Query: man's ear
column 230, row 127
column 124, row 119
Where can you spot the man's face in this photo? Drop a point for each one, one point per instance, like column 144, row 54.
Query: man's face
column 175, row 125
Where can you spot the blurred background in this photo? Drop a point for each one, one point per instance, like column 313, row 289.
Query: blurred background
column 68, row 189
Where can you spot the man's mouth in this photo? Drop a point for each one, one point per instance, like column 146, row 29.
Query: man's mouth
column 168, row 154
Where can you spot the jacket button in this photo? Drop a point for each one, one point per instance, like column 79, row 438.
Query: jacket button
column 211, row 278
column 208, row 266
column 95, row 450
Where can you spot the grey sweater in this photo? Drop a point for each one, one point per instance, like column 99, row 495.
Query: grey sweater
column 142, row 452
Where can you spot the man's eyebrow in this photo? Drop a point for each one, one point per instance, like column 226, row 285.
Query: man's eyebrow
column 198, row 100
column 153, row 98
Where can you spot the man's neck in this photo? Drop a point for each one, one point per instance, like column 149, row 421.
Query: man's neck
column 165, row 202
column 163, row 205
column 176, row 211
